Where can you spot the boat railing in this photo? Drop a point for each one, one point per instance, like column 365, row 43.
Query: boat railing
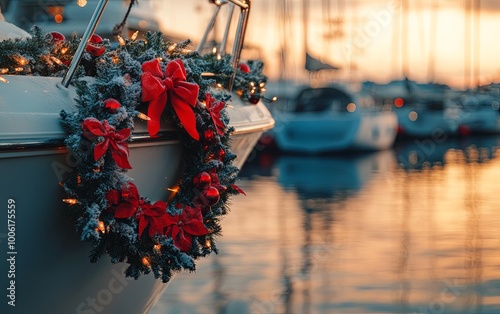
column 244, row 6
column 239, row 35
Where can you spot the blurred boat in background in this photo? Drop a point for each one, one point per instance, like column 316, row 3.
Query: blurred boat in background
column 423, row 110
column 332, row 119
column 480, row 111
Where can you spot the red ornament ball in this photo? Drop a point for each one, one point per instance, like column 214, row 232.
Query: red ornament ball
column 202, row 180
column 209, row 135
column 112, row 105
column 57, row 37
column 222, row 154
column 95, row 46
column 245, row 68
column 254, row 100
column 210, row 196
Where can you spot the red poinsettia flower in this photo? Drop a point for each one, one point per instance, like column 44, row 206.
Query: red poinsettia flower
column 152, row 216
column 124, row 203
column 183, row 227
column 214, row 107
column 108, row 138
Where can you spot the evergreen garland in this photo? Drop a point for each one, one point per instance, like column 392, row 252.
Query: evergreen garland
column 109, row 211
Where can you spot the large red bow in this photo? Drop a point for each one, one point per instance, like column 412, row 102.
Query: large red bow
column 93, row 128
column 157, row 88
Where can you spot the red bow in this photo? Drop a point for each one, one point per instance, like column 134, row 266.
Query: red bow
column 124, row 204
column 183, row 227
column 152, row 215
column 214, row 107
column 157, row 88
column 93, row 128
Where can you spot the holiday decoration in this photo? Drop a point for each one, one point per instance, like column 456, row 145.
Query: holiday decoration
column 244, row 67
column 57, row 37
column 95, row 46
column 110, row 212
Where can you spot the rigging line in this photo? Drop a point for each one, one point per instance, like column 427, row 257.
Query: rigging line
column 477, row 42
column 118, row 28
column 431, row 66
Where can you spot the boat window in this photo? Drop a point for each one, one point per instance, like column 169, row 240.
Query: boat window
column 322, row 99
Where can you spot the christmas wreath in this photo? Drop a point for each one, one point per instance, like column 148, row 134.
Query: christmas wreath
column 114, row 87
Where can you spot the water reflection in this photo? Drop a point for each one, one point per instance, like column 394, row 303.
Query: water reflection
column 377, row 233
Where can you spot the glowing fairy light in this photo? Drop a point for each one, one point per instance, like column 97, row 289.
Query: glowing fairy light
column 208, row 244
column 56, row 60
column 121, row 41
column 19, row 69
column 157, row 247
column 143, row 116
column 219, row 85
column 261, row 85
column 214, row 50
column 134, row 35
column 70, row 201
column 3, row 80
column 101, row 227
column 145, row 261
column 63, row 50
column 172, row 47
column 4, row 70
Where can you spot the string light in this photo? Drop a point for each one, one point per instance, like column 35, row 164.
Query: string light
column 115, row 59
column 208, row 244
column 214, row 50
column 219, row 85
column 134, row 35
column 262, row 84
column 3, row 80
column 157, row 247
column 19, row 69
column 101, row 227
column 172, row 47
column 219, row 56
column 145, row 261
column 63, row 50
column 121, row 41
column 22, row 61
column 70, row 201
column 56, row 60
column 143, row 116
column 4, row 70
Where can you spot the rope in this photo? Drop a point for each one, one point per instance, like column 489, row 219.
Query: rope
column 118, row 28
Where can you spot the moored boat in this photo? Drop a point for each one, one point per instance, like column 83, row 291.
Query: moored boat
column 47, row 264
column 329, row 119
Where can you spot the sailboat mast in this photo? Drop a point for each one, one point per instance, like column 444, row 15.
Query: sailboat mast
column 477, row 42
column 405, row 38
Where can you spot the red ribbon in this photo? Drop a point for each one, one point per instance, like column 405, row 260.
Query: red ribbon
column 115, row 141
column 157, row 88
column 152, row 215
column 214, row 107
column 124, row 203
column 183, row 227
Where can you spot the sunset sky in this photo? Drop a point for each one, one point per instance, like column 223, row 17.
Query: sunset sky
column 372, row 42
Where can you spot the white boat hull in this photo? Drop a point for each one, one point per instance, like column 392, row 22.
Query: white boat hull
column 52, row 270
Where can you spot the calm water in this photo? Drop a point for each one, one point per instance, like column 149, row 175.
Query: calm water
column 411, row 230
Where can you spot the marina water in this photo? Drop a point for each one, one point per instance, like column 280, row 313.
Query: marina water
column 414, row 229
